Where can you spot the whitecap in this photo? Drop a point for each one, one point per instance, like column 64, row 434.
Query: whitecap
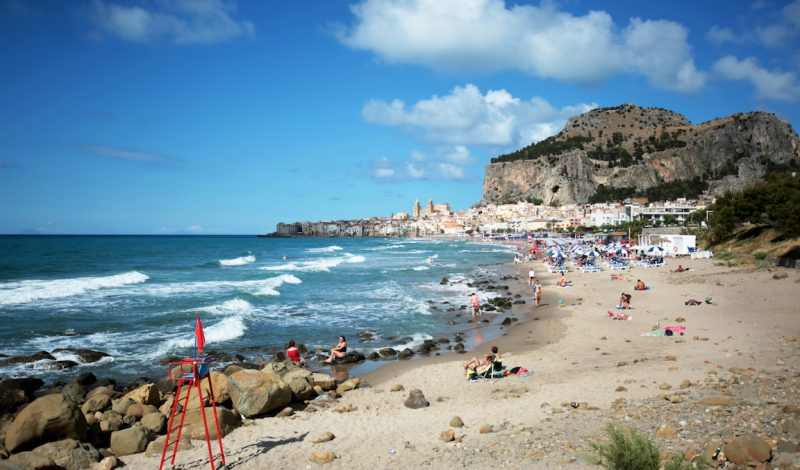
column 253, row 286
column 229, row 306
column 317, row 265
column 421, row 268
column 228, row 329
column 22, row 292
column 327, row 249
column 386, row 247
column 240, row 261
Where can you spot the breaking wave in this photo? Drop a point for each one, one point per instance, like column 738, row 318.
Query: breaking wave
column 22, row 292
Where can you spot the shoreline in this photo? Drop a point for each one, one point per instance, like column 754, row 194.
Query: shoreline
column 536, row 326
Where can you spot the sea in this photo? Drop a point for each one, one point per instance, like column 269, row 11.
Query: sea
column 136, row 297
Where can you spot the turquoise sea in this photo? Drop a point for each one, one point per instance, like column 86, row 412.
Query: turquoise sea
column 136, row 297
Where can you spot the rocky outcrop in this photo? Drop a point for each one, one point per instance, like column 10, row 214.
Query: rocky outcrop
column 630, row 146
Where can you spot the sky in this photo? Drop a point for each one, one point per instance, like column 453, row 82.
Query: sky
column 226, row 117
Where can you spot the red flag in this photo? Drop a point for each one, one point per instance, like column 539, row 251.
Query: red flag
column 199, row 337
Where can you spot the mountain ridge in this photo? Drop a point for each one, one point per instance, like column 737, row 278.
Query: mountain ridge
column 640, row 149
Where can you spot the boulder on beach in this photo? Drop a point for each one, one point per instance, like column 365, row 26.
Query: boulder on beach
column 96, row 403
column 193, row 423
column 387, row 352
column 70, row 454
column 254, row 392
column 742, row 450
column 301, row 383
column 48, row 418
column 16, row 392
column 154, row 422
column 34, row 461
column 38, row 356
column 101, row 390
column 157, row 446
column 416, row 399
column 146, row 394
column 325, row 381
column 129, row 441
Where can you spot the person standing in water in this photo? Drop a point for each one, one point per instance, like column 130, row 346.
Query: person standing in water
column 476, row 305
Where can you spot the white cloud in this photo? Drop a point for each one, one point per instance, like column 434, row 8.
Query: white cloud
column 774, row 35
column 118, row 153
column 445, row 164
column 719, row 36
column 466, row 116
column 488, row 36
column 771, row 85
column 176, row 21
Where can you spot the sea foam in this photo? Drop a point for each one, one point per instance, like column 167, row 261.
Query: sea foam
column 240, row 261
column 22, row 292
column 327, row 249
column 317, row 265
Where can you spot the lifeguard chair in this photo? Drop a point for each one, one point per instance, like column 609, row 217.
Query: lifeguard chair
column 191, row 372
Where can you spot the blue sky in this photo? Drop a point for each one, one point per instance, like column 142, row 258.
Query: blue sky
column 212, row 116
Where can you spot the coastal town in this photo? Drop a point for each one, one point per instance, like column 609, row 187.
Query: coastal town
column 434, row 219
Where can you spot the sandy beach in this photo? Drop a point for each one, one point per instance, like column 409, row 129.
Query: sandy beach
column 743, row 348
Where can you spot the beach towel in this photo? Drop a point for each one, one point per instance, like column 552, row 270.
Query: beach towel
column 680, row 329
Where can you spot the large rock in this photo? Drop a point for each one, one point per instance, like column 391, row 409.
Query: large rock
column 193, row 423
column 96, row 403
column 129, row 441
column 15, row 392
column 34, row 461
column 154, row 422
column 276, row 367
column 219, row 382
column 70, row 454
column 323, row 380
column 742, row 450
column 39, row 356
column 300, row 381
column 157, row 446
column 147, row 394
column 254, row 392
column 416, row 399
column 86, row 355
column 51, row 417
column 101, row 390
column 137, row 410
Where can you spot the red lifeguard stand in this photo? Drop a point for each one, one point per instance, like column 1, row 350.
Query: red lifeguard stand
column 199, row 368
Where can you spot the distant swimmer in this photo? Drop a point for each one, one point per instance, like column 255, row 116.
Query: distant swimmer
column 430, row 260
column 285, row 257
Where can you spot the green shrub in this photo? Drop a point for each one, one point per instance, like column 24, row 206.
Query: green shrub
column 627, row 449
column 677, row 463
column 760, row 255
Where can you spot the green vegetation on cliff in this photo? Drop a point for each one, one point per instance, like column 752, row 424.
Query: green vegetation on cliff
column 662, row 192
column 548, row 146
column 773, row 203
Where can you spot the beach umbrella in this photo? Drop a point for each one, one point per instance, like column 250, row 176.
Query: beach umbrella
column 592, row 253
column 655, row 251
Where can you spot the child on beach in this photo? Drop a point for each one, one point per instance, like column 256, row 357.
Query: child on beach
column 476, row 305
column 625, row 301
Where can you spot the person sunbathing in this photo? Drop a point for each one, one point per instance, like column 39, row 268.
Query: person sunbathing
column 563, row 282
column 680, row 269
column 339, row 351
column 639, row 285
column 619, row 316
column 617, row 277
column 693, row 302
column 474, row 363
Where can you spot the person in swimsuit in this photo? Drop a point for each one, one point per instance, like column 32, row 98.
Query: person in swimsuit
column 625, row 301
column 339, row 351
column 639, row 285
column 294, row 354
column 476, row 305
column 487, row 359
column 537, row 292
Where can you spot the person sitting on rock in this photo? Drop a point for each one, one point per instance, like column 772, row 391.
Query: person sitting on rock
column 294, row 354
column 339, row 351
column 639, row 285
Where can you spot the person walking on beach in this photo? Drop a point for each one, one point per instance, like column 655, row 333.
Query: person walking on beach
column 537, row 292
column 339, row 351
column 531, row 277
column 476, row 305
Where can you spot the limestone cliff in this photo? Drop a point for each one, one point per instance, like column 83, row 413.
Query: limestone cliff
column 641, row 148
